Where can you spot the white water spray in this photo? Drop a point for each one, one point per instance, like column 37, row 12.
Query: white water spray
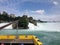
column 45, row 26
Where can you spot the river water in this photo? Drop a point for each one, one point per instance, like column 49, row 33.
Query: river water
column 48, row 33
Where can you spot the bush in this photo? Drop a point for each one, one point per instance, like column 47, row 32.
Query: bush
column 23, row 23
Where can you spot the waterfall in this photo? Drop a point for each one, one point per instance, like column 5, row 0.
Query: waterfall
column 45, row 26
column 39, row 27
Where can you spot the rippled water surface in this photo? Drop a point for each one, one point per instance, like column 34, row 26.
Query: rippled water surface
column 48, row 38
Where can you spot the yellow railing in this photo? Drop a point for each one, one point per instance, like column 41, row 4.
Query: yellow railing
column 36, row 41
column 22, row 37
column 3, row 37
column 25, row 37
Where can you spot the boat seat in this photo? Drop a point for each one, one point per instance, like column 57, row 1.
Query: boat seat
column 3, row 37
column 11, row 37
column 25, row 37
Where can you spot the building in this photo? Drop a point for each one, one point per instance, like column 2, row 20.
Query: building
column 12, row 15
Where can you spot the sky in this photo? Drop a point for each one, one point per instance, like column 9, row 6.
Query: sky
column 39, row 9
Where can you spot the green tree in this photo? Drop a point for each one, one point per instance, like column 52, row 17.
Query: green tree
column 23, row 23
column 30, row 18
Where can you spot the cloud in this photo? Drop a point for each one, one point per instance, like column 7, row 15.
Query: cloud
column 55, row 2
column 39, row 11
column 38, row 1
column 45, row 8
column 47, row 17
column 52, row 18
column 1, row 0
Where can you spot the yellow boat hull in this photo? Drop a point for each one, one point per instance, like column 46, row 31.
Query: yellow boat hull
column 25, row 39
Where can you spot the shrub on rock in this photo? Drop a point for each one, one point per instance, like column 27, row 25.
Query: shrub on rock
column 23, row 23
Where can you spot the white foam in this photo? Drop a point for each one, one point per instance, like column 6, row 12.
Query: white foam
column 2, row 24
column 8, row 27
column 45, row 26
column 39, row 27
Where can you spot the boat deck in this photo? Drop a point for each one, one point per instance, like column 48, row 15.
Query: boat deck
column 16, row 44
column 19, row 40
column 16, row 41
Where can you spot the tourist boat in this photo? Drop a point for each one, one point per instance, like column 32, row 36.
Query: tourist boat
column 19, row 40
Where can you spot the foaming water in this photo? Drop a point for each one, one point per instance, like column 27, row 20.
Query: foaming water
column 40, row 27
column 45, row 26
column 48, row 33
column 8, row 27
column 2, row 24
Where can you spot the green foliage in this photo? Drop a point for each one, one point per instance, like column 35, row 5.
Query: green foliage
column 17, row 18
column 5, row 17
column 30, row 18
column 23, row 22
